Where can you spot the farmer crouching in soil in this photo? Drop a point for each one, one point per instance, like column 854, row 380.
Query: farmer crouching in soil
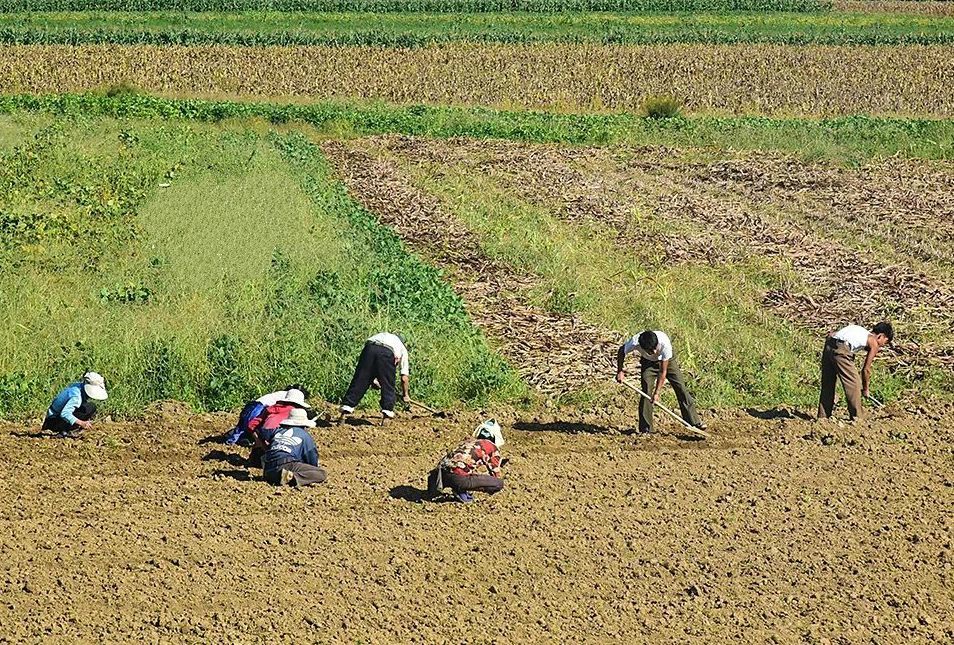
column 382, row 354
column 657, row 364
column 73, row 408
column 473, row 466
column 262, row 427
column 838, row 359
column 291, row 457
column 240, row 434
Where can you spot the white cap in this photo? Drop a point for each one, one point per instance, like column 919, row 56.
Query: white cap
column 95, row 386
column 492, row 428
column 295, row 397
column 299, row 418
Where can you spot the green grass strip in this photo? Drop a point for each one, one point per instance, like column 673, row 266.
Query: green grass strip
column 419, row 29
column 852, row 139
column 450, row 6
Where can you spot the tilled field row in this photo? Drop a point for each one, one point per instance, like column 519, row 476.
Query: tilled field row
column 774, row 208
column 810, row 80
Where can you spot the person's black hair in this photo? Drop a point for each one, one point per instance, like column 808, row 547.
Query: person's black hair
column 298, row 386
column 648, row 341
column 884, row 327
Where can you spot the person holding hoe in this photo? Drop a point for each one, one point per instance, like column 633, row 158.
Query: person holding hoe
column 838, row 359
column 73, row 408
column 382, row 354
column 657, row 364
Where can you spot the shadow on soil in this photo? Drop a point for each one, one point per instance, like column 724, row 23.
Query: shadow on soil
column 237, row 475
column 230, row 458
column 26, row 434
column 778, row 413
column 561, row 426
column 417, row 495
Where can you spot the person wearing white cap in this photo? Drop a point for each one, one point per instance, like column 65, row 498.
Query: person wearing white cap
column 240, row 434
column 262, row 427
column 473, row 466
column 382, row 355
column 292, row 457
column 73, row 407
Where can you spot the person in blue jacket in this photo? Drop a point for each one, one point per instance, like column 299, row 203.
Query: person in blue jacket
column 292, row 457
column 74, row 407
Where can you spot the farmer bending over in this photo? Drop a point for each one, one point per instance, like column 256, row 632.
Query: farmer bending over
column 838, row 358
column 381, row 355
column 73, row 407
column 473, row 466
column 657, row 364
column 291, row 457
column 262, row 427
column 240, row 433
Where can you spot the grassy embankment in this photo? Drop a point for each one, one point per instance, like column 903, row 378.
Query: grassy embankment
column 418, row 29
column 205, row 264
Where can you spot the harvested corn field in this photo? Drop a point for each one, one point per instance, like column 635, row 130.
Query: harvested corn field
column 838, row 245
column 770, row 79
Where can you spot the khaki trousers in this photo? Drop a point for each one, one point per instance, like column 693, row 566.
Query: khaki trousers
column 648, row 374
column 838, row 360
column 305, row 474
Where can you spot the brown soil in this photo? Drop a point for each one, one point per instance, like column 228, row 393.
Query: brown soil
column 776, row 529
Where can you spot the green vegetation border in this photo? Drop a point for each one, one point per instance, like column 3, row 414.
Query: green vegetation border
column 852, row 139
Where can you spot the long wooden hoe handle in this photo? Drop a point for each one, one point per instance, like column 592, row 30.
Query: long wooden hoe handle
column 662, row 407
column 421, row 405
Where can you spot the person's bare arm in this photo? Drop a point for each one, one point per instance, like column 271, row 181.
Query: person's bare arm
column 620, row 359
column 873, row 349
column 405, row 386
column 663, row 372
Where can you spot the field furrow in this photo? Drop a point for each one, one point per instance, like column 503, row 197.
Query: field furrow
column 554, row 353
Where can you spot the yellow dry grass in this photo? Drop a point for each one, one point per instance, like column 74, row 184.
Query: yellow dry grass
column 772, row 79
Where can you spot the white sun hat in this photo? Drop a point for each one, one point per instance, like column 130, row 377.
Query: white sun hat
column 491, row 429
column 95, row 386
column 295, row 397
column 299, row 418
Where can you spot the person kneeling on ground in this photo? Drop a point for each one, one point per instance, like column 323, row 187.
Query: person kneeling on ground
column 838, row 359
column 292, row 457
column 473, row 466
column 657, row 364
column 240, row 433
column 73, row 408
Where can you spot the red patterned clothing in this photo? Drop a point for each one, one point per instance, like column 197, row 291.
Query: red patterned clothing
column 474, row 457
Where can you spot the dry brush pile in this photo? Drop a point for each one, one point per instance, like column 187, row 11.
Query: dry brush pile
column 910, row 80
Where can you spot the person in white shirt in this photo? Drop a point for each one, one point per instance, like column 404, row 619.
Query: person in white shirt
column 838, row 359
column 382, row 354
column 657, row 364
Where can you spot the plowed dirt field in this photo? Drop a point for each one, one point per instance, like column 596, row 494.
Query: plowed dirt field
column 776, row 529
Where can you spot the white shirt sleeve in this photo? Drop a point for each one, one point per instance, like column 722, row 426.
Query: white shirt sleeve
column 665, row 347
column 405, row 366
column 630, row 345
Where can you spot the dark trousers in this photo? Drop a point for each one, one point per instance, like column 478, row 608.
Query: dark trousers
column 376, row 361
column 84, row 412
column 838, row 361
column 479, row 483
column 305, row 474
column 648, row 374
